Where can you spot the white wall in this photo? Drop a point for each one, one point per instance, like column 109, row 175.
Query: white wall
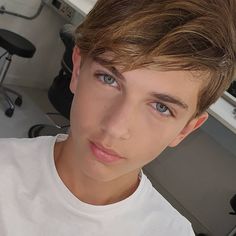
column 43, row 32
column 21, row 6
column 199, row 177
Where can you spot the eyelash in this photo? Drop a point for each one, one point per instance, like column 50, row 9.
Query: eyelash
column 99, row 75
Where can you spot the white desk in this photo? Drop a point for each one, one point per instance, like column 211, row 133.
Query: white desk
column 222, row 110
column 81, row 6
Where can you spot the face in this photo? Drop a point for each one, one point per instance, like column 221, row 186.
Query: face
column 137, row 114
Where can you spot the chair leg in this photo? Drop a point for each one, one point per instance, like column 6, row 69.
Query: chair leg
column 18, row 100
column 3, row 90
column 12, row 91
column 5, row 68
column 9, row 111
column 8, row 99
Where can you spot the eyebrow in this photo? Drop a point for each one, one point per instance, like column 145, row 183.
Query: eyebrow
column 170, row 99
column 112, row 69
column 160, row 96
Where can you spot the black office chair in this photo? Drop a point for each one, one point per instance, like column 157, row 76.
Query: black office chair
column 59, row 93
column 14, row 44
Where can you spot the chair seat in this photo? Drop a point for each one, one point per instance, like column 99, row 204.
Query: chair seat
column 16, row 44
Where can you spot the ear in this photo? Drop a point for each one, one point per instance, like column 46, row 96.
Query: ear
column 189, row 128
column 76, row 58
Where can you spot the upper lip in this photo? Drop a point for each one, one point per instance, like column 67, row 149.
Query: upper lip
column 108, row 151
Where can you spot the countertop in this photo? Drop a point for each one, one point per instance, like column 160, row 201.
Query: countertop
column 81, row 6
column 223, row 111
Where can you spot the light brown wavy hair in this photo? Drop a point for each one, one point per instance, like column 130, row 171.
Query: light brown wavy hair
column 192, row 35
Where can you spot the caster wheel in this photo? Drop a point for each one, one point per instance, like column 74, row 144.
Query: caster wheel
column 18, row 101
column 9, row 112
column 34, row 131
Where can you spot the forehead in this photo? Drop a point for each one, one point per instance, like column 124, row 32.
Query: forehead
column 182, row 84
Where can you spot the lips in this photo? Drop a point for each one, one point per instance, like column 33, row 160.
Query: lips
column 103, row 154
column 108, row 151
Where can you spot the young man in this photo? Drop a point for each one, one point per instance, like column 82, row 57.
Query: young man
column 145, row 71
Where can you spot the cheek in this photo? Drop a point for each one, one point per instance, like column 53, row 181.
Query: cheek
column 150, row 145
column 152, row 138
column 86, row 111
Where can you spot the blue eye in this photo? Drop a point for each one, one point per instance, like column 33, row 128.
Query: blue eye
column 163, row 109
column 107, row 79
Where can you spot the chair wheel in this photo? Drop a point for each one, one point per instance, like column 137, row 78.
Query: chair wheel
column 9, row 112
column 18, row 101
column 35, row 130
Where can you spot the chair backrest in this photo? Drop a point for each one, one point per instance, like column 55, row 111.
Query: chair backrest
column 59, row 93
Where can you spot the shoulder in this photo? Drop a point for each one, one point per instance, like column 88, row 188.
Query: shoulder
column 23, row 158
column 11, row 145
column 13, row 150
column 23, row 165
column 171, row 222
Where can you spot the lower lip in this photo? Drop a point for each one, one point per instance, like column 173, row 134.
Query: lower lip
column 103, row 156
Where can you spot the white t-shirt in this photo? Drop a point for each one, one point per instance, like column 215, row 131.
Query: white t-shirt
column 34, row 200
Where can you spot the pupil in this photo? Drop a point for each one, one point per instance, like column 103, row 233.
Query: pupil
column 108, row 79
column 161, row 107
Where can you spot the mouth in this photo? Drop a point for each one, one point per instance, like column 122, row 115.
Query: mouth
column 104, row 155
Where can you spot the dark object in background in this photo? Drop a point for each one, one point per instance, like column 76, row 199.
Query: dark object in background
column 13, row 44
column 59, row 93
column 232, row 89
column 233, row 205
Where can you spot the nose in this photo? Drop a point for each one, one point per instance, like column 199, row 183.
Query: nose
column 117, row 120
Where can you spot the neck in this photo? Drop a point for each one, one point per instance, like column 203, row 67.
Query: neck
column 87, row 189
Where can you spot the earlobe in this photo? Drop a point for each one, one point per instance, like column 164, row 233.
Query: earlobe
column 189, row 128
column 76, row 58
